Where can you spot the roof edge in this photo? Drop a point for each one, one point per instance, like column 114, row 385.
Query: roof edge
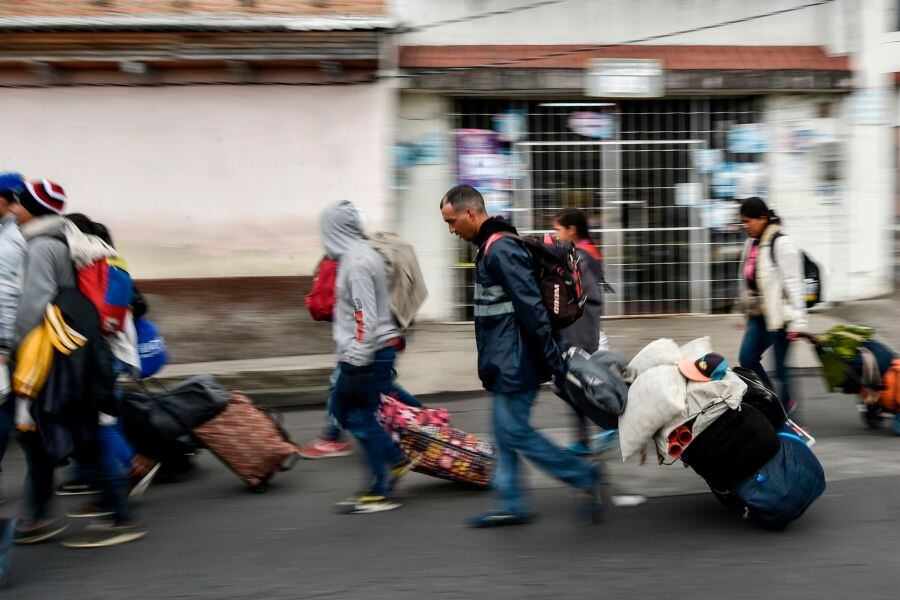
column 199, row 22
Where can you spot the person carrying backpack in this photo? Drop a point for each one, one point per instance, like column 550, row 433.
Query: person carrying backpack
column 48, row 275
column 367, row 339
column 571, row 225
column 320, row 303
column 517, row 352
column 772, row 290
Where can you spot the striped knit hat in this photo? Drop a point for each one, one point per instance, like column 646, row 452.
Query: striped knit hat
column 42, row 197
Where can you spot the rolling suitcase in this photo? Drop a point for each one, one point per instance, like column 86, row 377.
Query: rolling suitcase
column 448, row 453
column 249, row 440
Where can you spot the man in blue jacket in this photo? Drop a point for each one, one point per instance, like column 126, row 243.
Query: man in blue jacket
column 517, row 352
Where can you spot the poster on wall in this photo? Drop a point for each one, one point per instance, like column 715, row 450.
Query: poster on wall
column 510, row 125
column 751, row 138
column 601, row 126
column 479, row 160
column 707, row 160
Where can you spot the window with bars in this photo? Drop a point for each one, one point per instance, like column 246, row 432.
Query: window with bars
column 662, row 253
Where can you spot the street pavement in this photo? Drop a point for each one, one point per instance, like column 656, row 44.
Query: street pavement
column 212, row 539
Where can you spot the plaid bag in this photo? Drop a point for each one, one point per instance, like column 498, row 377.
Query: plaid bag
column 449, row 453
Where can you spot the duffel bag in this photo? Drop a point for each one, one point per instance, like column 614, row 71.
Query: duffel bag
column 782, row 490
column 595, row 386
column 732, row 447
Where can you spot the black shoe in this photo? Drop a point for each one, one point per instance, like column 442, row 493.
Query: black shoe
column 594, row 502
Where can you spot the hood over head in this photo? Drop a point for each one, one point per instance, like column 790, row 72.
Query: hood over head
column 341, row 224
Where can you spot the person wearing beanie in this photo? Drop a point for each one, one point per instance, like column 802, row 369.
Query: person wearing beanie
column 12, row 253
column 47, row 270
column 772, row 292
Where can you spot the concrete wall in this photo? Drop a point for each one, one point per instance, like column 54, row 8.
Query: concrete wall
column 618, row 21
column 423, row 119
column 207, row 181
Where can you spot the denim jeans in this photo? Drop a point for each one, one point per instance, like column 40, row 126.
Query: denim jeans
column 354, row 402
column 332, row 429
column 515, row 436
column 106, row 472
column 758, row 339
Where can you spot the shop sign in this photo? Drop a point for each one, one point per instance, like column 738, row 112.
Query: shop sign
column 624, row 78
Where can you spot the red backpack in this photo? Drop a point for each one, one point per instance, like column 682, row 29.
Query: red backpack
column 108, row 286
column 320, row 300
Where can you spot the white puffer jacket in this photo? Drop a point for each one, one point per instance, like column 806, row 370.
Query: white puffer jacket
column 781, row 296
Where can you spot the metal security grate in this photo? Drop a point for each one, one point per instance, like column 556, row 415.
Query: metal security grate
column 660, row 253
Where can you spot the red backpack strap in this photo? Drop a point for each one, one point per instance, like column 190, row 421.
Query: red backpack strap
column 493, row 238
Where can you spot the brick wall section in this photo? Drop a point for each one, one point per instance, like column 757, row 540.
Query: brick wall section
column 94, row 8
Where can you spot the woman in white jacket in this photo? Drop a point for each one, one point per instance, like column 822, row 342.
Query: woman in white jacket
column 772, row 290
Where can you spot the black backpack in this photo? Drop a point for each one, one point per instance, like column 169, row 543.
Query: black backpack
column 558, row 277
column 812, row 279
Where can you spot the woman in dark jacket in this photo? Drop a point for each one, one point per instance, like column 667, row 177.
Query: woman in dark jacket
column 571, row 225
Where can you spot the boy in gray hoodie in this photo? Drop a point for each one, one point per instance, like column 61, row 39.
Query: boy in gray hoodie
column 366, row 341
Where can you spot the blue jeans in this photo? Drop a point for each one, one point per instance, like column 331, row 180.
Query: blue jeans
column 758, row 339
column 515, row 437
column 354, row 402
column 332, row 429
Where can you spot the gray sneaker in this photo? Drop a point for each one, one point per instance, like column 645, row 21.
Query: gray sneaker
column 29, row 531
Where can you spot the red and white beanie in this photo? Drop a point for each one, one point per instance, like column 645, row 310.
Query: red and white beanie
column 42, row 197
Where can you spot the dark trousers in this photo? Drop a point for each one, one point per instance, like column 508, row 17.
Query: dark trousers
column 758, row 339
column 355, row 401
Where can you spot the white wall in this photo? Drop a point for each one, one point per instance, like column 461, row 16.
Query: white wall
column 207, row 181
column 423, row 116
column 617, row 21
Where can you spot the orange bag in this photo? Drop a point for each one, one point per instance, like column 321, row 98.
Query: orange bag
column 889, row 397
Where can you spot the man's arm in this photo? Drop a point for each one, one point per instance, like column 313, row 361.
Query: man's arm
column 511, row 262
column 361, row 351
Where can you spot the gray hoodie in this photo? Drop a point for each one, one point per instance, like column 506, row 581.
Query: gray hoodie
column 47, row 268
column 363, row 323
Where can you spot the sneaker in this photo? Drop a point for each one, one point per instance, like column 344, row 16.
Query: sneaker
column 30, row 532
column 500, row 519
column 367, row 502
column 103, row 535
column 325, row 449
column 88, row 511
column 595, row 500
column 139, row 485
column 76, row 487
column 400, row 469
column 578, row 449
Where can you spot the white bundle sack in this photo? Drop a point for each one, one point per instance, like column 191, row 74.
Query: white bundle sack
column 655, row 354
column 655, row 399
column 705, row 402
column 696, row 348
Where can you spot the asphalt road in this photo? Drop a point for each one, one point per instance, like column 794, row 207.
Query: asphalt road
column 211, row 539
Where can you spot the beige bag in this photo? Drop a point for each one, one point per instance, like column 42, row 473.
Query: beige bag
column 406, row 283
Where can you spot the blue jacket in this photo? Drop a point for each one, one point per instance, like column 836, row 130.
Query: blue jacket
column 517, row 350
